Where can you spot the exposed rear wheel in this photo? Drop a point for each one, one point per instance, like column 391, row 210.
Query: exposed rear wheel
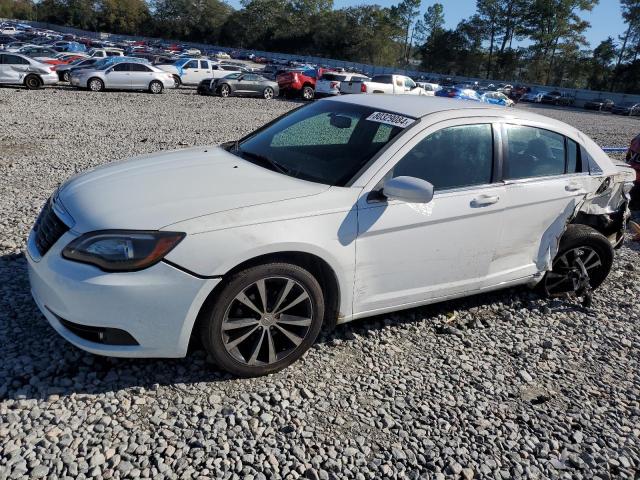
column 156, row 87
column 95, row 85
column 308, row 93
column 264, row 319
column 32, row 82
column 583, row 262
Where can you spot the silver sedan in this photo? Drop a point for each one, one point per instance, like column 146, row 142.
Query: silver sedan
column 123, row 76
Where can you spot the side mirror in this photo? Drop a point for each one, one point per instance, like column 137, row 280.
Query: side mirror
column 408, row 189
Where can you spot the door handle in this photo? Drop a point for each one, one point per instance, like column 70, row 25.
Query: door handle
column 574, row 187
column 484, row 200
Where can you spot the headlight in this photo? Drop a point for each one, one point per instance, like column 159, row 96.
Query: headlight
column 122, row 250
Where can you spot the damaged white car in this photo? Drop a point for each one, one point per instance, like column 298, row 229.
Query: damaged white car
column 342, row 209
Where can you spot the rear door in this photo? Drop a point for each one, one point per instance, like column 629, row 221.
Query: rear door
column 13, row 69
column 545, row 180
column 141, row 76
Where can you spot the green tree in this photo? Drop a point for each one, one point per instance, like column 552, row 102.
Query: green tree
column 431, row 23
column 404, row 15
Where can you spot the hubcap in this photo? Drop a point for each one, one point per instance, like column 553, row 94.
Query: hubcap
column 155, row 88
column 267, row 321
column 572, row 270
column 95, row 85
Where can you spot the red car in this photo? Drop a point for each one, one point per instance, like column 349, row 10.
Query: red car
column 63, row 59
column 299, row 82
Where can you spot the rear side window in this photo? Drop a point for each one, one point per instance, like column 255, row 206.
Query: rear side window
column 137, row 67
column 453, row 157
column 533, row 152
column 574, row 163
column 204, row 64
column 14, row 60
column 122, row 67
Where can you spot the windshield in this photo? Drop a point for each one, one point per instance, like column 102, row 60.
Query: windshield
column 325, row 142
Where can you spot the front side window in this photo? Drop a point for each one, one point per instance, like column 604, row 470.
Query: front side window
column 326, row 142
column 533, row 152
column 453, row 157
column 191, row 64
column 409, row 83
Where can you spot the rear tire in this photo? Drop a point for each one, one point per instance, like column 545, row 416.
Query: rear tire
column 156, row 87
column 225, row 90
column 580, row 244
column 248, row 338
column 33, row 82
column 66, row 76
column 268, row 93
column 95, row 85
column 308, row 93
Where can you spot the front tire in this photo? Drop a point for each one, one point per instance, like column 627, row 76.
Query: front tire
column 268, row 93
column 33, row 82
column 177, row 81
column 264, row 319
column 156, row 87
column 95, row 85
column 66, row 76
column 583, row 254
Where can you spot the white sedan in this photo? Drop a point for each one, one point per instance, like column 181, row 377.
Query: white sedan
column 345, row 208
column 122, row 76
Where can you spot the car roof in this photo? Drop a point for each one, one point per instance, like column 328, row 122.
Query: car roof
column 421, row 106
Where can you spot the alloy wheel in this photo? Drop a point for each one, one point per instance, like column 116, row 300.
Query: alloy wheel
column 95, row 85
column 156, row 87
column 224, row 91
column 268, row 93
column 267, row 321
column 572, row 270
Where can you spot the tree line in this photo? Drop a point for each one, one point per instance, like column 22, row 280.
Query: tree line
column 528, row 41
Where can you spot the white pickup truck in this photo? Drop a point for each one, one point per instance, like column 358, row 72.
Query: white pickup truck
column 390, row 84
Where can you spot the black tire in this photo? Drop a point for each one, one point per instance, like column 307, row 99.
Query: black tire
column 156, row 87
column 216, row 341
column 225, row 90
column 268, row 93
column 177, row 81
column 95, row 84
column 33, row 82
column 66, row 77
column 576, row 238
column 308, row 93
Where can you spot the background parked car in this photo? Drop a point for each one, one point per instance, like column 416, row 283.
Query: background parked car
column 241, row 84
column 191, row 71
column 17, row 69
column 557, row 98
column 533, row 96
column 329, row 83
column 299, row 83
column 497, row 98
column 626, row 108
column 123, row 76
column 599, row 104
column 64, row 71
column 459, row 92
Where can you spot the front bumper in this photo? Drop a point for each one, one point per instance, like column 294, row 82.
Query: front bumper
column 157, row 306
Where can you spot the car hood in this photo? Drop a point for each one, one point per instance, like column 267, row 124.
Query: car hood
column 153, row 191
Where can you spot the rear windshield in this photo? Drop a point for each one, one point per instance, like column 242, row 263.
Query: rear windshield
column 382, row 79
column 325, row 142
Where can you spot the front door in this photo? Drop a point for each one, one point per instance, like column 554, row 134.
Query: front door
column 119, row 77
column 408, row 253
column 190, row 73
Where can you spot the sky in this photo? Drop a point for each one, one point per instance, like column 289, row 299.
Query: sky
column 605, row 18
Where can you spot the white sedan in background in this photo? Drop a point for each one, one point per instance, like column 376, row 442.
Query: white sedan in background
column 349, row 207
column 17, row 69
column 123, row 76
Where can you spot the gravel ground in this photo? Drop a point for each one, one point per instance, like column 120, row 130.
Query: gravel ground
column 499, row 386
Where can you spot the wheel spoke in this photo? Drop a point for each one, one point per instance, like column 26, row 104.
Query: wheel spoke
column 303, row 296
column 262, row 290
column 239, row 323
column 291, row 336
column 242, row 298
column 294, row 320
column 559, row 280
column 272, row 348
column 256, row 350
column 240, row 339
column 283, row 294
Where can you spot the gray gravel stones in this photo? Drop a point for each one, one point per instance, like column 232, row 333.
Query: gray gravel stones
column 504, row 385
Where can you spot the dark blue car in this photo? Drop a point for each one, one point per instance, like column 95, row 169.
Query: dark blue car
column 458, row 92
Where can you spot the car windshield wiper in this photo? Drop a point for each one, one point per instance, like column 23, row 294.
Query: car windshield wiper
column 262, row 159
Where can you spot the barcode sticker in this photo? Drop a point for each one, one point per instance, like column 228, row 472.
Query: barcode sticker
column 391, row 119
